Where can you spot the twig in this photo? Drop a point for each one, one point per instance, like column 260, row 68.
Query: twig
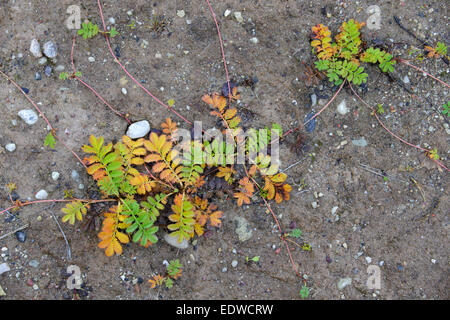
column 12, row 232
column 69, row 252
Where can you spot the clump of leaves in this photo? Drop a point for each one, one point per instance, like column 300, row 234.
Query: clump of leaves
column 436, row 52
column 67, row 75
column 446, row 109
column 150, row 178
column 89, row 30
column 174, row 271
column 304, row 292
column 341, row 60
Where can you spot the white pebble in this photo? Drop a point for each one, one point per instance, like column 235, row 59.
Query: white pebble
column 91, row 59
column 158, row 55
column 50, row 49
column 112, row 20
column 42, row 60
column 254, row 40
column 41, row 195
column 173, row 241
column 227, row 13
column 333, row 210
column 28, row 115
column 55, row 175
column 406, row 80
column 180, row 13
column 342, row 108
column 238, row 17
column 234, row 263
column 10, row 147
column 368, row 259
column 124, row 91
column 138, row 129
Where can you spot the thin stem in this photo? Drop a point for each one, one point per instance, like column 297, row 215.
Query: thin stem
column 320, row 111
column 423, row 71
column 131, row 77
column 393, row 134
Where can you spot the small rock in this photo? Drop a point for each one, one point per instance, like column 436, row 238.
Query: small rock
column 138, row 129
column 37, row 76
column 33, row 263
column 234, row 263
column 50, row 49
column 28, row 115
column 124, row 91
column 368, row 259
column 48, row 71
column 254, row 40
column 91, row 59
column 41, row 195
column 238, row 17
column 328, row 259
column 21, row 236
column 10, row 147
column 35, row 287
column 4, row 268
column 334, row 210
column 313, row 100
column 381, row 263
column 311, row 125
column 224, row 269
column 35, row 48
column 180, row 13
column 2, row 293
column 75, row 175
column 405, row 80
column 112, row 20
column 433, row 261
column 343, row 282
column 158, row 55
column 314, row 205
column 173, row 241
column 342, row 108
column 243, row 229
column 227, row 13
column 59, row 68
column 42, row 60
column 400, row 267
column 360, row 142
column 55, row 175
column 30, row 282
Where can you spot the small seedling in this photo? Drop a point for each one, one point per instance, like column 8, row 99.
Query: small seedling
column 50, row 140
column 380, row 109
column 446, row 109
column 67, row 75
column 306, row 247
column 295, row 233
column 304, row 292
column 254, row 259
column 89, row 30
column 439, row 50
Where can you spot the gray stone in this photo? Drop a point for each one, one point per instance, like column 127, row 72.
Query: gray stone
column 4, row 268
column 138, row 129
column 41, row 195
column 33, row 263
column 173, row 241
column 55, row 175
column 313, row 100
column 50, row 49
column 234, row 263
column 343, row 282
column 29, row 116
column 243, row 229
column 238, row 17
column 405, row 80
column 75, row 175
column 35, row 48
column 42, row 60
column 360, row 142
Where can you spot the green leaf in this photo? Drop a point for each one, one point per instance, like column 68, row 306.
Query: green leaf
column 113, row 32
column 50, row 141
column 296, row 233
column 304, row 292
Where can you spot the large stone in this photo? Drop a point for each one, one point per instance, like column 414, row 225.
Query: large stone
column 173, row 241
column 35, row 48
column 243, row 229
column 29, row 116
column 138, row 129
column 50, row 49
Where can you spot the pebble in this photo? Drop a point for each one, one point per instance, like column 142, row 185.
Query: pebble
column 224, row 269
column 314, row 205
column 234, row 263
column 55, row 175
column 33, row 263
column 41, row 195
column 180, row 13
column 59, row 68
column 35, row 287
column 48, row 71
column 29, row 116
column 311, row 125
column 433, row 261
column 4, row 268
column 254, row 40
column 173, row 241
column 243, row 229
column 342, row 108
column 405, row 80
column 360, row 142
column 91, row 59
column 381, row 263
column 42, row 60
column 2, row 292
column 21, row 236
column 227, row 13
column 124, row 91
column 50, row 49
column 75, row 175
column 368, row 259
column 35, row 48
column 334, row 210
column 112, row 20
column 10, row 147
column 343, row 282
column 399, row 267
column 238, row 16
column 138, row 129
column 313, row 100
column 158, row 55
column 37, row 76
